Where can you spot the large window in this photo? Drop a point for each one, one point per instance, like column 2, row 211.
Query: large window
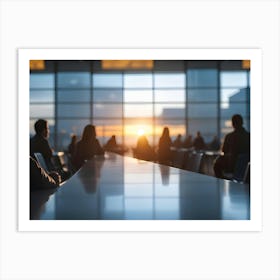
column 42, row 98
column 186, row 96
column 202, row 101
column 235, row 98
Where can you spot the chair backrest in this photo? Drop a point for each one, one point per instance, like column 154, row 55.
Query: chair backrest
column 40, row 159
column 194, row 161
column 59, row 163
column 61, row 156
column 240, row 167
column 246, row 178
column 178, row 158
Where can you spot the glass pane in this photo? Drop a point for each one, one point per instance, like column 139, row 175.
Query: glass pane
column 202, row 95
column 233, row 79
column 207, row 127
column 138, row 95
column 170, row 110
column 41, row 80
column 74, row 126
column 42, row 96
column 202, row 78
column 133, row 129
column 133, row 111
column 233, row 95
column 73, row 111
column 73, row 96
column 65, row 128
column 175, row 127
column 106, row 128
column 138, row 81
column 42, row 111
column 177, row 80
column 202, row 110
column 107, row 111
column 110, row 95
column 232, row 109
column 107, row 80
column 226, row 125
column 174, row 95
column 107, row 122
column 73, row 80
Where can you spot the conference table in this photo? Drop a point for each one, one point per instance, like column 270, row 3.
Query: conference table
column 115, row 187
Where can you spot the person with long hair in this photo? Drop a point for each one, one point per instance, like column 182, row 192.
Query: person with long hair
column 87, row 147
column 164, row 151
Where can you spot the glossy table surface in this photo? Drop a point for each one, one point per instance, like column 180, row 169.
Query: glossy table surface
column 123, row 188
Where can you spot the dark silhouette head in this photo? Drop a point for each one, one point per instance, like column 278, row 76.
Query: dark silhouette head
column 142, row 142
column 41, row 128
column 74, row 138
column 198, row 134
column 165, row 132
column 237, row 121
column 89, row 133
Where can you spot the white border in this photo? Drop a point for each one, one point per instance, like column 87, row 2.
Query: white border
column 254, row 224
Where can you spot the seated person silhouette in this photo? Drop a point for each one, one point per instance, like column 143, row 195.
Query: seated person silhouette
column 40, row 179
column 215, row 144
column 236, row 143
column 198, row 142
column 40, row 144
column 143, row 149
column 178, row 142
column 111, row 144
column 87, row 147
column 164, row 145
column 188, row 143
column 72, row 146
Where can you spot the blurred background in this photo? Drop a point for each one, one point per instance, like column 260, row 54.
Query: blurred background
column 129, row 98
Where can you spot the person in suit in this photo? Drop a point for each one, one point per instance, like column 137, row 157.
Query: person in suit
column 198, row 142
column 40, row 179
column 87, row 147
column 236, row 143
column 188, row 143
column 39, row 142
column 164, row 151
column 178, row 142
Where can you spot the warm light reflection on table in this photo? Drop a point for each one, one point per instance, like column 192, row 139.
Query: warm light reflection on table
column 117, row 188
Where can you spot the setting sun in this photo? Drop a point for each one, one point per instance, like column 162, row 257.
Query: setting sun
column 140, row 132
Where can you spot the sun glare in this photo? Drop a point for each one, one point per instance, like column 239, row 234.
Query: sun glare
column 141, row 131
